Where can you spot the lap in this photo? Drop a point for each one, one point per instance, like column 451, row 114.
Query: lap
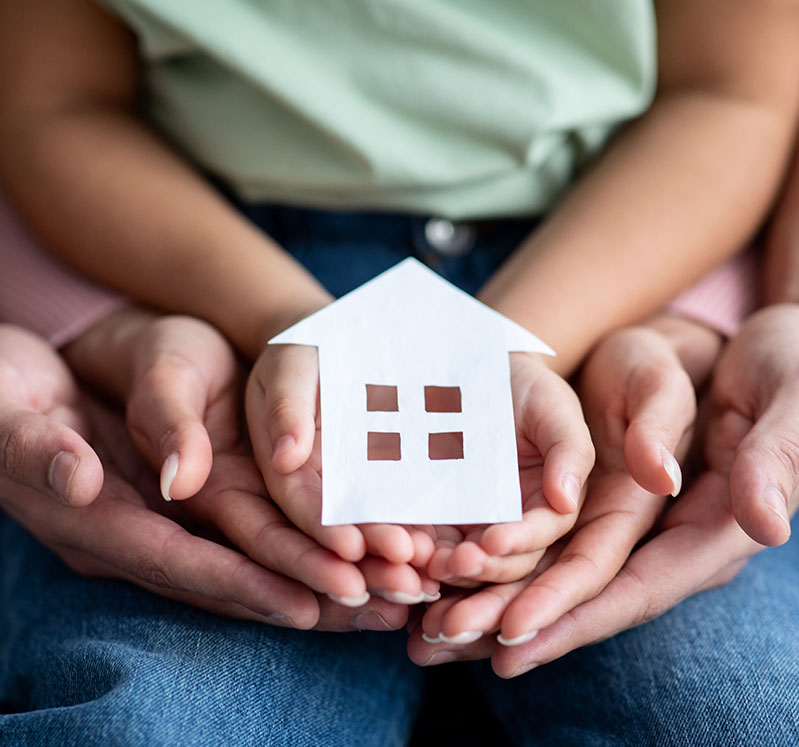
column 90, row 661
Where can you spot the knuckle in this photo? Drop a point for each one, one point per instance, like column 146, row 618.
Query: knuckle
column 153, row 573
column 17, row 447
column 281, row 411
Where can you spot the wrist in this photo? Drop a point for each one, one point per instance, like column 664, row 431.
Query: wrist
column 695, row 344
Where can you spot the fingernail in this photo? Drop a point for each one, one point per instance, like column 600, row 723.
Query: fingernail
column 430, row 639
column 371, row 621
column 441, row 657
column 169, row 471
column 401, row 597
column 476, row 571
column 351, row 601
column 672, row 469
column 571, row 489
column 518, row 640
column 59, row 474
column 282, row 620
column 284, row 443
column 776, row 502
column 431, row 597
column 462, row 638
column 523, row 669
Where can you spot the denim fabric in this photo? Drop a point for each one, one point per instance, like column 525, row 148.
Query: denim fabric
column 97, row 662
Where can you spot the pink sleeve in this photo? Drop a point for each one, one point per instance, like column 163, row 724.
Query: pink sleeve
column 724, row 296
column 39, row 293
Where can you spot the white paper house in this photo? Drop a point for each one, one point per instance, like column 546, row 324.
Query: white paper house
column 387, row 350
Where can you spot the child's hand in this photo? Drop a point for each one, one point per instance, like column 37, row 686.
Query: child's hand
column 555, row 457
column 282, row 413
column 639, row 400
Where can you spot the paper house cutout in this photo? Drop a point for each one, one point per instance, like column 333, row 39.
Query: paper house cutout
column 403, row 344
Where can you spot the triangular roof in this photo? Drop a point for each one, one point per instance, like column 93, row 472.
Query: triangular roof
column 386, row 301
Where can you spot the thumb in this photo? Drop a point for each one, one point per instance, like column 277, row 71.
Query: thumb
column 764, row 479
column 282, row 401
column 166, row 412
column 661, row 407
column 46, row 455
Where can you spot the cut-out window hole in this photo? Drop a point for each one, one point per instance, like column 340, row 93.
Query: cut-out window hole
column 442, row 399
column 381, row 398
column 445, row 445
column 383, row 447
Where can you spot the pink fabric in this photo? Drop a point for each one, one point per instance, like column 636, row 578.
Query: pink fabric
column 40, row 293
column 724, row 296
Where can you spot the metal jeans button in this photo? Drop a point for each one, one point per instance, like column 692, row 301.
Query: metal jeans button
column 449, row 239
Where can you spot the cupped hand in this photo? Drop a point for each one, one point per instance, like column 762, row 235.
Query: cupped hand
column 43, row 427
column 282, row 405
column 555, row 456
column 639, row 403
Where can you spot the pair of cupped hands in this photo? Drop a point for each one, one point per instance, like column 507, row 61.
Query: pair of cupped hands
column 243, row 536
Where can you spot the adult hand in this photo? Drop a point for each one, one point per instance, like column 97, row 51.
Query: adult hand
column 752, row 451
column 43, row 427
column 181, row 383
column 639, row 402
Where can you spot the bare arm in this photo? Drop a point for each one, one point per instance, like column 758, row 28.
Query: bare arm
column 107, row 195
column 679, row 190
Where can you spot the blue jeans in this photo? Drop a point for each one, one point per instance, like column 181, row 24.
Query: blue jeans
column 96, row 662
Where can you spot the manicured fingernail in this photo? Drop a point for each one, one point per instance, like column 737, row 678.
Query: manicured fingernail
column 59, row 474
column 518, row 640
column 169, row 471
column 523, row 669
column 672, row 469
column 351, row 601
column 462, row 638
column 278, row 619
column 430, row 639
column 571, row 489
column 284, row 443
column 776, row 502
column 441, row 657
column 431, row 597
column 371, row 621
column 401, row 597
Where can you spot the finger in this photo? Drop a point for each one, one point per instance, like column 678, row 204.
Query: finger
column 288, row 378
column 50, row 457
column 396, row 582
column 166, row 412
column 561, row 435
column 377, row 614
column 540, row 527
column 253, row 524
column 423, row 538
column 389, row 541
column 426, row 654
column 154, row 552
column 589, row 561
column 764, row 479
column 469, row 561
column 661, row 407
column 675, row 564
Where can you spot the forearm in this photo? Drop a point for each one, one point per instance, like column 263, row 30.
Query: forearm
column 112, row 200
column 672, row 197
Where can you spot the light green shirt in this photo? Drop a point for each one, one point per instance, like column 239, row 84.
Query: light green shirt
column 459, row 108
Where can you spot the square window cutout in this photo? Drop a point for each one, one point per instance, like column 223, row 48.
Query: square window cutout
column 383, row 447
column 445, row 445
column 442, row 399
column 381, row 398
